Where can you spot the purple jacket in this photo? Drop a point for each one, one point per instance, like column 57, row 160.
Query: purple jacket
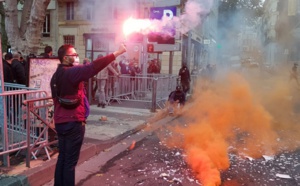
column 71, row 79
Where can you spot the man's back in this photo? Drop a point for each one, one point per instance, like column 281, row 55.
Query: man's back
column 124, row 68
column 8, row 73
column 177, row 96
column 184, row 74
column 18, row 72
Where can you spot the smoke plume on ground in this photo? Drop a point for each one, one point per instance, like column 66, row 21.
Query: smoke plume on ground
column 250, row 115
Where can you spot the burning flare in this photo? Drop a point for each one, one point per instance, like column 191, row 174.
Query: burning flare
column 188, row 20
column 132, row 145
column 132, row 25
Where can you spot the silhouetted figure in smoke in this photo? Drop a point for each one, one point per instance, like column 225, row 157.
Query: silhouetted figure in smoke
column 294, row 73
column 185, row 78
column 176, row 99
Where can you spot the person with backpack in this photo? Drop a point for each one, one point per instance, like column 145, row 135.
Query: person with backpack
column 71, row 107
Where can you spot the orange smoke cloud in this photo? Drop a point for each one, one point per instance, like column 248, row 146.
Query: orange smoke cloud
column 236, row 113
column 206, row 152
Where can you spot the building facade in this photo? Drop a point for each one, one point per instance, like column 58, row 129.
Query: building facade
column 95, row 27
column 281, row 31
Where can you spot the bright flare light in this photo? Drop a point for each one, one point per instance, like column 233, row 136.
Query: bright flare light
column 132, row 25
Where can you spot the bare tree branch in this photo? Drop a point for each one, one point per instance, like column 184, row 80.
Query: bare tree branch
column 26, row 38
column 35, row 25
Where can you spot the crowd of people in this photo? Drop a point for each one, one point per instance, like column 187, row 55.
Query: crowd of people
column 15, row 68
column 125, row 67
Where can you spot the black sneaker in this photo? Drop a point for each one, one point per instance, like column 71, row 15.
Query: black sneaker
column 103, row 105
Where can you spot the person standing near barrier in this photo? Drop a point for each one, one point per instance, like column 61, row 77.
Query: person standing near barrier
column 133, row 71
column 48, row 52
column 176, row 100
column 102, row 78
column 18, row 69
column 8, row 74
column 185, row 78
column 154, row 67
column 113, row 79
column 25, row 65
column 294, row 74
column 124, row 65
column 71, row 108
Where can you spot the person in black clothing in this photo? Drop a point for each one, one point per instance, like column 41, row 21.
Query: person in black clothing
column 7, row 69
column 153, row 67
column 294, row 74
column 134, row 69
column 185, row 78
column 48, row 52
column 25, row 66
column 124, row 65
column 176, row 99
column 18, row 69
column 9, row 78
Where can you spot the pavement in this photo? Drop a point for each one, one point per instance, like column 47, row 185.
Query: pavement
column 105, row 128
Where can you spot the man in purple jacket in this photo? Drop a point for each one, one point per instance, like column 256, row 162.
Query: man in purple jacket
column 71, row 108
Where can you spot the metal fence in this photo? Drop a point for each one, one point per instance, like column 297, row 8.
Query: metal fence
column 151, row 89
column 28, row 113
column 27, row 116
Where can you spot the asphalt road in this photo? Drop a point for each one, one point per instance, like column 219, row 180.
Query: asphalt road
column 150, row 162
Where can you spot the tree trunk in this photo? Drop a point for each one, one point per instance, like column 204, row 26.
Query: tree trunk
column 27, row 37
column 3, row 31
column 25, row 17
column 35, row 26
column 11, row 18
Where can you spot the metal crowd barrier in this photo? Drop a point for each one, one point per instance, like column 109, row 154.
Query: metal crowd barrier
column 27, row 116
column 152, row 89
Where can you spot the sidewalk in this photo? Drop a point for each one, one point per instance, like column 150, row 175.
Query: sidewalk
column 105, row 127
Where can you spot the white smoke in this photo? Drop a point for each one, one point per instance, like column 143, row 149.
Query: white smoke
column 192, row 16
column 194, row 12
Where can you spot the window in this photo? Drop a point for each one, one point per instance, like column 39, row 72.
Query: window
column 90, row 10
column 69, row 40
column 100, row 45
column 46, row 27
column 70, row 11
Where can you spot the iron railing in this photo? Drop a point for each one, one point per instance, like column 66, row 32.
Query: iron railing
column 27, row 117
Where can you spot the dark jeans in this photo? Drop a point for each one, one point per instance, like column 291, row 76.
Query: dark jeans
column 185, row 86
column 70, row 137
